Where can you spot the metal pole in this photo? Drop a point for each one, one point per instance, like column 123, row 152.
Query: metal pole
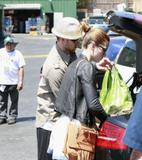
column 1, row 25
column 126, row 2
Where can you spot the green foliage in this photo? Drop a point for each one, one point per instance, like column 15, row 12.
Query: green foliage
column 82, row 3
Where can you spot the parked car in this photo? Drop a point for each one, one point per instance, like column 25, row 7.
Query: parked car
column 116, row 43
column 109, row 145
column 126, row 61
column 98, row 22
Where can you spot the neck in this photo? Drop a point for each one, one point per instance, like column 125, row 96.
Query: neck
column 87, row 55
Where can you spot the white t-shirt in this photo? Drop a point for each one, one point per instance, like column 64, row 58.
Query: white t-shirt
column 10, row 62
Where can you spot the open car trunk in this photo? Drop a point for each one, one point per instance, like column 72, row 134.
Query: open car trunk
column 110, row 144
column 130, row 25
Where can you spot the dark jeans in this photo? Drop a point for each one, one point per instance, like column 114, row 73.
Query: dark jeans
column 43, row 137
column 12, row 92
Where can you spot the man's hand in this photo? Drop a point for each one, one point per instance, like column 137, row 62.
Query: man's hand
column 20, row 86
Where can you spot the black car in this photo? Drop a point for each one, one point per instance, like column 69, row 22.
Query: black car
column 109, row 145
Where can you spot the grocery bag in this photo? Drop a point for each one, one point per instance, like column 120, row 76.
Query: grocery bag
column 115, row 96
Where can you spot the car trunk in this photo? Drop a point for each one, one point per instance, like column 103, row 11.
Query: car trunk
column 109, row 145
column 129, row 25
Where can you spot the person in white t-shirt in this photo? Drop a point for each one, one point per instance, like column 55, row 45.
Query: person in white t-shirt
column 11, row 80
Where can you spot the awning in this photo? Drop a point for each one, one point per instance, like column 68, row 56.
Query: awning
column 22, row 6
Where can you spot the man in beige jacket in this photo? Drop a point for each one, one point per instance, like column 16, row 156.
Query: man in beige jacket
column 68, row 32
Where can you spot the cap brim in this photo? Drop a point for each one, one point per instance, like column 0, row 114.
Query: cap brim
column 15, row 43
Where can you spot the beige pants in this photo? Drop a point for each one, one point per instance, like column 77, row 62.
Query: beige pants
column 136, row 155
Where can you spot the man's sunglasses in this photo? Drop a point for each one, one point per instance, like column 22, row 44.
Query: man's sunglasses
column 74, row 40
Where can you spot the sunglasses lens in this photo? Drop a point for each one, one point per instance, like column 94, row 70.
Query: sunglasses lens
column 103, row 48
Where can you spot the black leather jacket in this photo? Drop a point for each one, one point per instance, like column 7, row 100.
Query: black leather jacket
column 78, row 97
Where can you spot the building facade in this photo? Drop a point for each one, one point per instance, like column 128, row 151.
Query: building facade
column 137, row 6
column 106, row 5
column 94, row 7
column 21, row 16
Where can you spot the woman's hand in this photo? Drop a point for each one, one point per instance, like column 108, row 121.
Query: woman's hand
column 104, row 64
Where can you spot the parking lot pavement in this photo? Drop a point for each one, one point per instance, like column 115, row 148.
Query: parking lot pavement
column 18, row 141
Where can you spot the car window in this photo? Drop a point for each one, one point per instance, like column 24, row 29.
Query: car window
column 116, row 43
column 127, row 57
column 92, row 21
column 96, row 20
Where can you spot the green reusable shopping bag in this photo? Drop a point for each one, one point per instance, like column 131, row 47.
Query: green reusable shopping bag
column 115, row 96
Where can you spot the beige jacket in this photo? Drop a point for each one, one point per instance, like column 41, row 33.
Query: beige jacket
column 53, row 70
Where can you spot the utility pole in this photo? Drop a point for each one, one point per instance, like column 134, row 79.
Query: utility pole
column 126, row 3
column 1, row 25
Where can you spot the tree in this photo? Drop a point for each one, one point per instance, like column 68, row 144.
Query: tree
column 88, row 4
column 82, row 3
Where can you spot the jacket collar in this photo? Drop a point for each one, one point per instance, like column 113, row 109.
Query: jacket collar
column 65, row 57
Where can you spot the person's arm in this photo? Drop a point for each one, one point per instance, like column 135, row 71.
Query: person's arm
column 21, row 64
column 20, row 78
column 55, row 77
column 90, row 93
